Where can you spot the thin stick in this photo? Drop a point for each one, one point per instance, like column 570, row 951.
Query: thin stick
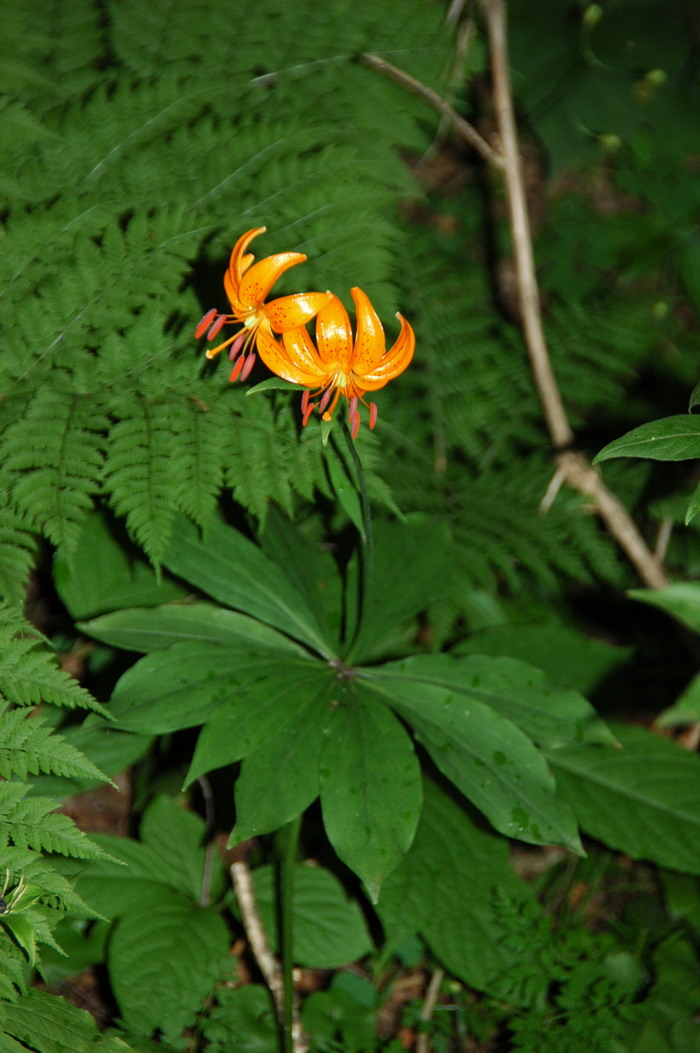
column 426, row 1013
column 465, row 129
column 573, row 466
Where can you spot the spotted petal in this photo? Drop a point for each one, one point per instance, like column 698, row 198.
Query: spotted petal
column 334, row 335
column 289, row 312
column 394, row 362
column 255, row 284
column 369, row 342
column 279, row 360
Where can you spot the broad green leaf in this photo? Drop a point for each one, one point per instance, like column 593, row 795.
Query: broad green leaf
column 106, row 573
column 669, row 439
column 447, row 888
column 682, row 600
column 345, row 490
column 148, row 629
column 263, row 703
column 329, row 928
column 515, row 690
column 694, row 506
column 686, row 710
column 235, row 571
column 180, row 687
column 45, row 1022
column 279, row 780
column 242, row 1019
column 490, row 760
column 165, row 957
column 569, row 658
column 176, row 838
column 409, row 557
column 371, row 789
column 642, row 799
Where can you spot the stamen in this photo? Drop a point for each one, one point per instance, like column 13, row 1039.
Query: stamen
column 355, row 421
column 217, row 327
column 325, row 400
column 352, row 406
column 237, row 369
column 247, row 368
column 236, row 345
column 305, row 400
column 205, row 323
column 310, row 407
column 373, row 414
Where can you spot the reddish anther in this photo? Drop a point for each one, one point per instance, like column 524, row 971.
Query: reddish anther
column 325, row 400
column 373, row 412
column 205, row 323
column 235, row 372
column 217, row 327
column 355, row 421
column 305, row 401
column 236, row 345
column 247, row 368
column 307, row 411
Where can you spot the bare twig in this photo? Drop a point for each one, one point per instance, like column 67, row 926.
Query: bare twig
column 267, row 963
column 426, row 1013
column 465, row 129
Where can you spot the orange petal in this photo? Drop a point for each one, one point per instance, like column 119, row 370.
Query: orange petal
column 369, row 342
column 301, row 350
column 394, row 362
column 257, row 281
column 334, row 335
column 279, row 361
column 240, row 261
column 288, row 312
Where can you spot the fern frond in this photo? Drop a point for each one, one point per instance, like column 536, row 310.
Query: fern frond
column 18, row 544
column 28, row 675
column 31, row 747
column 12, row 973
column 138, row 475
column 52, row 457
column 29, row 823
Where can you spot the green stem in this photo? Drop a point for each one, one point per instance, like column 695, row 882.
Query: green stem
column 288, row 843
column 365, row 534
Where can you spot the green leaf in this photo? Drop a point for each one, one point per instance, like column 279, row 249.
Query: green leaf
column 409, row 558
column 371, row 789
column 52, row 1025
column 669, row 439
column 264, row 701
column 155, row 628
column 179, row 687
column 447, row 889
column 106, row 574
column 234, row 571
column 514, row 689
column 176, row 838
column 686, row 709
column 682, row 600
column 280, row 778
column 490, row 760
column 329, row 928
column 165, row 957
column 569, row 658
column 640, row 799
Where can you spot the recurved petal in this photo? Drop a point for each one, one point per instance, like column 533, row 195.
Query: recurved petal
column 278, row 361
column 288, row 312
column 240, row 260
column 369, row 340
column 334, row 335
column 257, row 281
column 395, row 360
column 302, row 352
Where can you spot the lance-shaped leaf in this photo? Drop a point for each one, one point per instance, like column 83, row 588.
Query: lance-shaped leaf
column 669, row 439
column 178, row 688
column 643, row 799
column 514, row 689
column 255, row 712
column 279, row 780
column 371, row 788
column 234, row 571
column 491, row 761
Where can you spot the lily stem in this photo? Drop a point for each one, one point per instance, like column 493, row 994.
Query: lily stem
column 288, row 844
column 366, row 535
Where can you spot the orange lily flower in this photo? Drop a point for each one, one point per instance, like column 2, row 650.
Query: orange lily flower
column 247, row 285
column 337, row 365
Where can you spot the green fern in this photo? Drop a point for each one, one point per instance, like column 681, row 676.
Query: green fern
column 30, row 747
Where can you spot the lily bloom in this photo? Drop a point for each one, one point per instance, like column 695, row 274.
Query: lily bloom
column 247, row 285
column 338, row 365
